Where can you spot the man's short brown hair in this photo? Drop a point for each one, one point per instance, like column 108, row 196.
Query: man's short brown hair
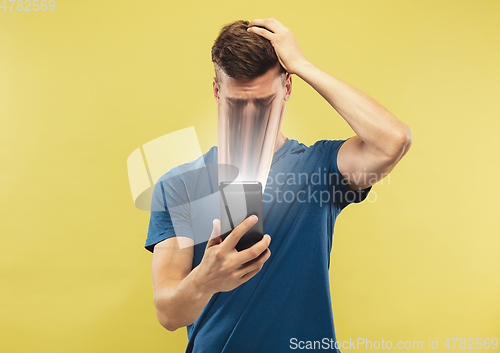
column 243, row 55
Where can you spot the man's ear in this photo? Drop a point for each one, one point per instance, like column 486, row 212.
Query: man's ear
column 288, row 86
column 216, row 90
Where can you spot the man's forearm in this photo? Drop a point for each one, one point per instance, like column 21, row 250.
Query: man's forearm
column 180, row 303
column 374, row 124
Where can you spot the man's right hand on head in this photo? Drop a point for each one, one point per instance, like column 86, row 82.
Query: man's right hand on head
column 224, row 268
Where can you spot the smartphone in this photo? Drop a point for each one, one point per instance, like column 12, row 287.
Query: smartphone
column 238, row 201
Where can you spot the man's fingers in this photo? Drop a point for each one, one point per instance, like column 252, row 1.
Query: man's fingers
column 234, row 237
column 215, row 236
column 256, row 250
column 266, row 23
column 256, row 263
column 261, row 31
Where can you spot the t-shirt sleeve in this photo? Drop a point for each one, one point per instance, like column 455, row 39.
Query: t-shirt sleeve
column 170, row 212
column 342, row 195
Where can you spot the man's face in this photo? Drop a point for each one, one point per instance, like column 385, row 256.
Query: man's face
column 249, row 115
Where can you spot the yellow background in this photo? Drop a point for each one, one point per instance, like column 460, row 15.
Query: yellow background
column 85, row 85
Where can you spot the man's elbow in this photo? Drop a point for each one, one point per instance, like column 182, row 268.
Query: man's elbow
column 165, row 322
column 169, row 327
column 161, row 315
column 401, row 143
column 169, row 320
column 405, row 139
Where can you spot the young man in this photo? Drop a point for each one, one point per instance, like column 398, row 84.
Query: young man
column 274, row 296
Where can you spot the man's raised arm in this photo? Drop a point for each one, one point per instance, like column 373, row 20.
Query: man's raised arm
column 381, row 140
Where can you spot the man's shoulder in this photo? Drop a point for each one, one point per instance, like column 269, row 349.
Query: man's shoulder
column 320, row 146
column 325, row 143
column 296, row 147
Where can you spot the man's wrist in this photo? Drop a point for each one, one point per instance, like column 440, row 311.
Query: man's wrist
column 303, row 69
column 198, row 286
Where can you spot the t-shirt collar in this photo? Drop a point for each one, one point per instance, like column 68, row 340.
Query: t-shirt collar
column 282, row 150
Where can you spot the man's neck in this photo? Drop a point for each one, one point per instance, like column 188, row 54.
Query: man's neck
column 280, row 141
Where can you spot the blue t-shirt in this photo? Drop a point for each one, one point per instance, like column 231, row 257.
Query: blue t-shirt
column 287, row 303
